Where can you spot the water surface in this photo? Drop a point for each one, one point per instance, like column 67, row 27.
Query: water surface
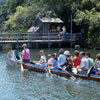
column 39, row 86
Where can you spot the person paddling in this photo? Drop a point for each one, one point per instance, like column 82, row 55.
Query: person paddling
column 54, row 61
column 97, row 61
column 90, row 60
column 42, row 60
column 84, row 66
column 49, row 60
column 68, row 64
column 76, row 60
column 62, row 57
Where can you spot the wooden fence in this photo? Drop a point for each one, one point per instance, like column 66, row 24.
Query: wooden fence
column 38, row 36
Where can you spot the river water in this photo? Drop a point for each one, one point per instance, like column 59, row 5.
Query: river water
column 39, row 86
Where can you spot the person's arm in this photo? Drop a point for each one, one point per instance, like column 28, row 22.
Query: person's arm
column 43, row 60
column 22, row 55
column 60, row 59
column 82, row 65
column 73, row 58
column 96, row 62
column 63, row 64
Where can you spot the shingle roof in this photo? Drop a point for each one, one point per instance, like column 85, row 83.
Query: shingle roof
column 51, row 20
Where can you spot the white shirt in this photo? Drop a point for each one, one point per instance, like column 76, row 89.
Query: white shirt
column 61, row 59
column 44, row 64
column 43, row 58
column 84, row 63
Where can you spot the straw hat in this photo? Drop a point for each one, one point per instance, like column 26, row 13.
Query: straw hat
column 24, row 45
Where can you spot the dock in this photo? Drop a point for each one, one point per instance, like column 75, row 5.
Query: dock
column 35, row 40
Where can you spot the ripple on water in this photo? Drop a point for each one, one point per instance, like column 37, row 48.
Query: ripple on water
column 39, row 86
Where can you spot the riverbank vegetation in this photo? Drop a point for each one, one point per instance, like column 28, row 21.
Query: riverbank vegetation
column 18, row 15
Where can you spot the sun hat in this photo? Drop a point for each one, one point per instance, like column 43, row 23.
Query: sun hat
column 66, row 52
column 24, row 45
column 82, row 53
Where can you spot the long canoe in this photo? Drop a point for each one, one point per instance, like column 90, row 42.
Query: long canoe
column 13, row 59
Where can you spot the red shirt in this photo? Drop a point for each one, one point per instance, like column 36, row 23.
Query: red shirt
column 76, row 61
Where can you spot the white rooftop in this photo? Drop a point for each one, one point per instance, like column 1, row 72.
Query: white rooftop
column 33, row 28
column 51, row 20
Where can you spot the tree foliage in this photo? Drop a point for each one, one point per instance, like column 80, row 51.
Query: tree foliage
column 88, row 20
column 19, row 15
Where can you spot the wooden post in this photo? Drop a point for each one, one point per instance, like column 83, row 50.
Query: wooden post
column 48, row 37
column 24, row 36
column 59, row 40
column 1, row 47
column 13, row 46
column 17, row 41
column 37, row 45
column 71, row 33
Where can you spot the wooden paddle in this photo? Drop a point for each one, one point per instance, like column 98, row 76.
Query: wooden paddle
column 48, row 70
column 22, row 68
column 66, row 71
column 37, row 62
column 74, row 70
column 90, row 71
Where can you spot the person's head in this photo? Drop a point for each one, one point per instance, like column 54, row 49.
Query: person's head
column 58, row 28
column 82, row 54
column 49, row 56
column 54, row 56
column 76, row 53
column 87, row 54
column 77, row 47
column 64, row 28
column 98, row 56
column 69, row 59
column 24, row 45
column 41, row 52
column 67, row 53
column 61, row 51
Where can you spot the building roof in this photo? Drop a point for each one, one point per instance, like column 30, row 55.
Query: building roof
column 33, row 29
column 51, row 20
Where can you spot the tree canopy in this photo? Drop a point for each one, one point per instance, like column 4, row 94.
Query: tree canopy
column 19, row 15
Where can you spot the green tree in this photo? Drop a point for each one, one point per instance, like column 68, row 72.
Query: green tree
column 17, row 20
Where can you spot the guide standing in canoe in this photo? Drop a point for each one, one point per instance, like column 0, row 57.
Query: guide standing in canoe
column 25, row 53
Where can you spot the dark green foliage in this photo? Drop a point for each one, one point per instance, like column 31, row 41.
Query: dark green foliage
column 19, row 15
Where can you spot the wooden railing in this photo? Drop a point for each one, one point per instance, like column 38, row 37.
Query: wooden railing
column 37, row 36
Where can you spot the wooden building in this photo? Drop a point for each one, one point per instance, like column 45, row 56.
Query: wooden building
column 45, row 28
column 48, row 29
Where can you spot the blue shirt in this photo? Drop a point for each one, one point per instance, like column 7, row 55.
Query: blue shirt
column 54, row 61
column 61, row 59
column 64, row 33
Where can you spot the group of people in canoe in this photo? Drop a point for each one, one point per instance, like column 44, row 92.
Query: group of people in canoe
column 80, row 62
